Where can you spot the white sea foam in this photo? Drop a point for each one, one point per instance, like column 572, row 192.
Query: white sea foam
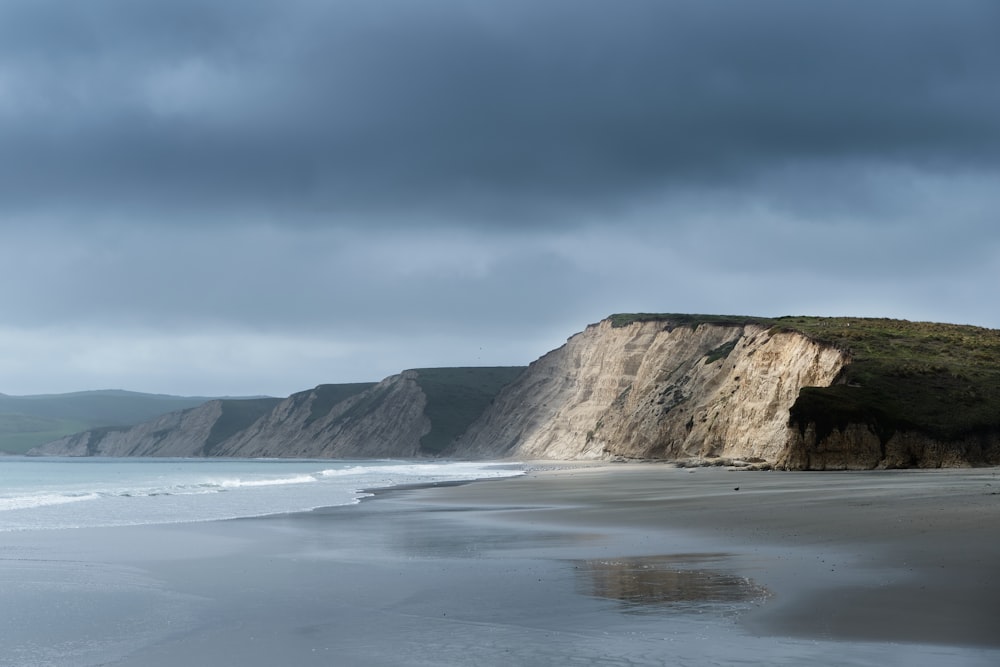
column 456, row 470
column 50, row 493
column 280, row 481
column 31, row 500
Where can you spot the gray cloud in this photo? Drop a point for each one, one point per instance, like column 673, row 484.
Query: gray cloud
column 471, row 113
column 367, row 183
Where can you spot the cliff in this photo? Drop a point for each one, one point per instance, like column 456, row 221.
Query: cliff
column 191, row 432
column 29, row 421
column 383, row 420
column 657, row 390
column 791, row 392
column 415, row 413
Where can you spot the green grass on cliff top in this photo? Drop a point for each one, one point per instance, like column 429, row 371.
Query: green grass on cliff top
column 940, row 379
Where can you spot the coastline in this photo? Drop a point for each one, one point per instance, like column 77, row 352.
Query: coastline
column 897, row 556
column 607, row 563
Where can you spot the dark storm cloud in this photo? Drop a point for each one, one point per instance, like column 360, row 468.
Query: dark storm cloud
column 258, row 196
column 311, row 112
column 265, row 280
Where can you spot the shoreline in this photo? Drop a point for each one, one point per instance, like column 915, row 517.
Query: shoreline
column 884, row 575
column 620, row 563
column 909, row 558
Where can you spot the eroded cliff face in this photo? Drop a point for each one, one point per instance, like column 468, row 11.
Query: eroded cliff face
column 182, row 433
column 653, row 390
column 386, row 420
column 389, row 419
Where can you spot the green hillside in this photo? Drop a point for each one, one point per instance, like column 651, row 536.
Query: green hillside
column 328, row 395
column 237, row 414
column 456, row 397
column 27, row 421
column 19, row 433
column 939, row 379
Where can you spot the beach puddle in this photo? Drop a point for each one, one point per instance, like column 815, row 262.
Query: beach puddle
column 684, row 582
column 431, row 543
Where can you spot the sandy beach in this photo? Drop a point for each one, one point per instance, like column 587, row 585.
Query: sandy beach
column 578, row 564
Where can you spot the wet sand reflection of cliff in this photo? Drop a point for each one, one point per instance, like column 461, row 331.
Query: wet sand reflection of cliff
column 665, row 583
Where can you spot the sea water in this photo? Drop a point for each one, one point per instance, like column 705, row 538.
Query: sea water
column 63, row 493
column 60, row 606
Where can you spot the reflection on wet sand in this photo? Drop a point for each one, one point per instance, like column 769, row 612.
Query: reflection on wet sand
column 659, row 583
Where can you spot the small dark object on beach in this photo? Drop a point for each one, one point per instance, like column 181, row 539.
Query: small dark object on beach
column 736, row 488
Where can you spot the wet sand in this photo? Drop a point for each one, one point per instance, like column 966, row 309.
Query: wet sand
column 602, row 565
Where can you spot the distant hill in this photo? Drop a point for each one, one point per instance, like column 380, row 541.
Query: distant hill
column 416, row 413
column 27, row 421
column 195, row 431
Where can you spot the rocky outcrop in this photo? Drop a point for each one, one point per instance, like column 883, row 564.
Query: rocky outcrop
column 655, row 390
column 861, row 447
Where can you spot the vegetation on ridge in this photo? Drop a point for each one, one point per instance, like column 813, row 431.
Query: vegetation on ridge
column 939, row 379
column 325, row 396
column 28, row 421
column 619, row 320
column 236, row 415
column 456, row 397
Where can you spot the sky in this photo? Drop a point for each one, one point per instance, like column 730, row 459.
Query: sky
column 206, row 198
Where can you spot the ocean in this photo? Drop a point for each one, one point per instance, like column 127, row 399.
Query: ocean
column 67, row 493
column 131, row 563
